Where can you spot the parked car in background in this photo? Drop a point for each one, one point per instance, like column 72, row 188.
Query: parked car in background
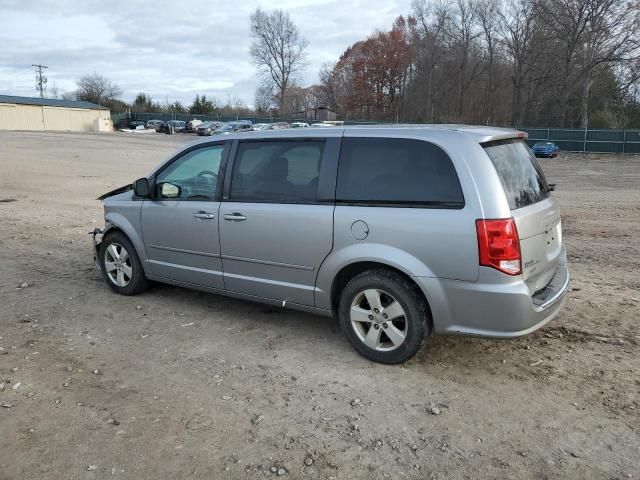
column 154, row 123
column 545, row 149
column 172, row 126
column 398, row 232
column 259, row 127
column 225, row 129
column 208, row 128
column 299, row 125
column 280, row 125
column 192, row 125
column 241, row 125
column 134, row 124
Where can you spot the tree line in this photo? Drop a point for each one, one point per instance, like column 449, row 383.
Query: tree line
column 564, row 63
column 98, row 89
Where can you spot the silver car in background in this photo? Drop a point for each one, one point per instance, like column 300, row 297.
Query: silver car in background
column 396, row 231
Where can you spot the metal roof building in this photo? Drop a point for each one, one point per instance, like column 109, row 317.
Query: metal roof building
column 34, row 113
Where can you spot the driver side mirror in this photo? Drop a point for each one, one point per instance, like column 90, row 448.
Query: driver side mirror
column 169, row 190
column 141, row 187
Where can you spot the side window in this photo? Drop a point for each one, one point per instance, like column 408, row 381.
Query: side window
column 277, row 171
column 194, row 176
column 397, row 171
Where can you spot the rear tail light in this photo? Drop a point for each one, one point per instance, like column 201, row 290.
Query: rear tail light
column 499, row 245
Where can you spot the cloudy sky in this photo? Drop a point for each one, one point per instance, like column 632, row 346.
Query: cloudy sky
column 169, row 49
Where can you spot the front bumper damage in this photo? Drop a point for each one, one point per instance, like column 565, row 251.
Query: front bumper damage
column 97, row 234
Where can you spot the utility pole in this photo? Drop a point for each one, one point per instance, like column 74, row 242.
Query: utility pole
column 41, row 80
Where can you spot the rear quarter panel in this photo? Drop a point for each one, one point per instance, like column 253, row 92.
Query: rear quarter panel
column 421, row 242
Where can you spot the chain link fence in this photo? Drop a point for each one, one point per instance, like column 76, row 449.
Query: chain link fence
column 568, row 139
column 587, row 140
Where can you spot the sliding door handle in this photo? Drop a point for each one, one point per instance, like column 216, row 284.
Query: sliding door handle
column 204, row 215
column 234, row 217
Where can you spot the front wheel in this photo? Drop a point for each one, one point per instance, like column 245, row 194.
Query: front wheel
column 384, row 316
column 121, row 266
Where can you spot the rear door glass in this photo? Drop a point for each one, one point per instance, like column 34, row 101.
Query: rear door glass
column 397, row 171
column 519, row 171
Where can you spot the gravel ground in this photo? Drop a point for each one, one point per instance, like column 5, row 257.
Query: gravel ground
column 180, row 384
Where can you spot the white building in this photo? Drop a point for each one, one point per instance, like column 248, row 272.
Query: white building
column 27, row 113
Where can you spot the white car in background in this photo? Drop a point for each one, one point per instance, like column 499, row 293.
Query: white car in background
column 192, row 125
column 299, row 125
column 154, row 124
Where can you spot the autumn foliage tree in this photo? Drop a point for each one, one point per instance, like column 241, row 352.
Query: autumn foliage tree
column 369, row 77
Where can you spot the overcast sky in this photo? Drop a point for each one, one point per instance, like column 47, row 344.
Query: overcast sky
column 169, row 49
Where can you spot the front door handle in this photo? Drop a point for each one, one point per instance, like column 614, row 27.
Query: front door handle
column 204, row 215
column 234, row 217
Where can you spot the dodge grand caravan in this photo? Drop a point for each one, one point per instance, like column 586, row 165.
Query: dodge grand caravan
column 397, row 231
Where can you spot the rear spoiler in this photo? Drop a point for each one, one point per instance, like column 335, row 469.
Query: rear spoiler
column 504, row 138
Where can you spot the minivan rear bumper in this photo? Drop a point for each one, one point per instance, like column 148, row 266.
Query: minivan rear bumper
column 496, row 305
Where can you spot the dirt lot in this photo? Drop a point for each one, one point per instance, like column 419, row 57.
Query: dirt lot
column 179, row 384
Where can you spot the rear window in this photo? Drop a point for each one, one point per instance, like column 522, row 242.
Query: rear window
column 396, row 171
column 519, row 171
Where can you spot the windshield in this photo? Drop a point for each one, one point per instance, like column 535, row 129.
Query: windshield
column 519, row 171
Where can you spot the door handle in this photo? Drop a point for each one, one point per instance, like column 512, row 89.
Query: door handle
column 234, row 217
column 204, row 215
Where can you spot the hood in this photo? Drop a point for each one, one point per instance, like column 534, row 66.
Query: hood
column 117, row 191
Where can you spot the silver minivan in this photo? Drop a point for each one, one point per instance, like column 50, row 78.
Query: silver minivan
column 397, row 231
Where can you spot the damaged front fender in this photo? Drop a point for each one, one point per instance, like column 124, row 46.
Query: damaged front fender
column 117, row 191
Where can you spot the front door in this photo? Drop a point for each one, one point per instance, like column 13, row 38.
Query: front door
column 180, row 222
column 274, row 232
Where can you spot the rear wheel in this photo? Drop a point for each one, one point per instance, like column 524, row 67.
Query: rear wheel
column 384, row 316
column 121, row 266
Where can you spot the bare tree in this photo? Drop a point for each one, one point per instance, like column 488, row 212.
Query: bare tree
column 264, row 96
column 431, row 21
column 97, row 89
column 567, row 21
column 234, row 106
column 277, row 49
column 463, row 34
column 53, row 91
column 487, row 17
column 517, row 26
column 610, row 38
column 326, row 92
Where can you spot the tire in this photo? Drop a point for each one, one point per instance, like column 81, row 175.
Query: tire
column 414, row 324
column 128, row 278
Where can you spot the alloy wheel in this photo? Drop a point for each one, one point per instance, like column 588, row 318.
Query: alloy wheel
column 117, row 265
column 378, row 319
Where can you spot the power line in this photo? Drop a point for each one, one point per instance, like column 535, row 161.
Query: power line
column 41, row 80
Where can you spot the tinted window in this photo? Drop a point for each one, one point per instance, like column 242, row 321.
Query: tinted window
column 195, row 173
column 277, row 171
column 390, row 171
column 519, row 172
